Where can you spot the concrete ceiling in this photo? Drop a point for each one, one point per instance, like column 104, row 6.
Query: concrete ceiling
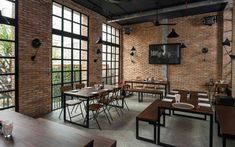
column 137, row 11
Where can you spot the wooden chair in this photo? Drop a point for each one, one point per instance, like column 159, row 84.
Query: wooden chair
column 71, row 102
column 97, row 108
column 79, row 86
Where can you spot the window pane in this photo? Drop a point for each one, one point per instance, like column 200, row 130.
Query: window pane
column 7, row 66
column 84, row 75
column 104, row 56
column 56, row 78
column 76, row 43
column 56, row 90
column 84, row 45
column 67, row 65
column 76, row 17
column 109, row 38
column 76, row 65
column 7, row 99
column 57, row 9
column 104, row 66
column 67, row 42
column 67, row 77
column 104, row 48
column 76, row 29
column 67, row 13
column 109, row 29
column 84, row 20
column 109, row 57
column 103, row 73
column 67, row 53
column 56, row 65
column 84, row 65
column 76, row 54
column 76, row 76
column 56, row 23
column 117, row 32
column 104, row 27
column 67, row 26
column 7, row 8
column 7, row 49
column 56, row 53
column 104, row 37
column 84, row 31
column 108, row 49
column 56, row 40
column 7, row 32
column 84, row 55
column 9, row 82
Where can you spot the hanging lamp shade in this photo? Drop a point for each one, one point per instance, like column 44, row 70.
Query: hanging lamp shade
column 172, row 34
column 226, row 42
column 183, row 45
column 3, row 19
column 99, row 41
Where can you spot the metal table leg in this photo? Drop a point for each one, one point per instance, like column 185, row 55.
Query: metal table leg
column 211, row 131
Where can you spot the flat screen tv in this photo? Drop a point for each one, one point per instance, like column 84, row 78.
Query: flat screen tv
column 165, row 53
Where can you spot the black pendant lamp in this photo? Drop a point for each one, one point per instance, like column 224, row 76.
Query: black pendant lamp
column 3, row 19
column 172, row 34
column 226, row 42
column 183, row 45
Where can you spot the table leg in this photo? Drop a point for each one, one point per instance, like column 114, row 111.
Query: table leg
column 224, row 141
column 158, row 127
column 211, row 131
column 64, row 103
column 87, row 113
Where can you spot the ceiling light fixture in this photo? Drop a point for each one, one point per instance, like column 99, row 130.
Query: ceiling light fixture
column 172, row 34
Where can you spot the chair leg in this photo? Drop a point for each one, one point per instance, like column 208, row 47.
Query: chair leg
column 95, row 115
column 107, row 116
column 116, row 108
column 126, row 105
column 61, row 112
column 73, row 109
column 81, row 111
column 119, row 106
column 69, row 113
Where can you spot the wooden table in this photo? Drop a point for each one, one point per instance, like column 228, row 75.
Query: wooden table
column 29, row 132
column 226, row 122
column 166, row 84
column 196, row 110
column 86, row 94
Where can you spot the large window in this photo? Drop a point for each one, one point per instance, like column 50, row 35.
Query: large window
column 69, row 50
column 8, row 54
column 110, row 54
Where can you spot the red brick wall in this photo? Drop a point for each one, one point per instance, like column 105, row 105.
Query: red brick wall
column 35, row 77
column 193, row 72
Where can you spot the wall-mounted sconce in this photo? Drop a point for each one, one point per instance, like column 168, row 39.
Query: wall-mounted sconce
column 226, row 42
column 3, row 19
column 133, row 54
column 204, row 51
column 183, row 45
column 172, row 34
column 98, row 52
column 36, row 43
column 99, row 41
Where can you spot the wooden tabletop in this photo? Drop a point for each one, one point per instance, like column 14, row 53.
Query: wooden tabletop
column 193, row 100
column 225, row 115
column 147, row 82
column 30, row 132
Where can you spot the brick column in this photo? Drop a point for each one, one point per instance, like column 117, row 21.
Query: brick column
column 233, row 51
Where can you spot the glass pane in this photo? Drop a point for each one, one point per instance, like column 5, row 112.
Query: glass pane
column 113, row 39
column 76, row 76
column 67, row 53
column 7, row 32
column 104, row 37
column 113, row 57
column 117, row 72
column 104, row 56
column 117, row 40
column 84, row 45
column 109, row 29
column 108, row 49
column 113, row 49
column 7, row 8
column 7, row 49
column 117, row 57
column 56, row 53
column 67, row 42
column 103, row 73
column 56, row 78
column 84, row 20
column 7, row 66
column 76, row 17
column 56, row 23
column 67, row 26
column 76, row 65
column 56, row 65
column 117, row 65
column 56, row 90
column 117, row 50
column 104, row 27
column 56, row 40
column 67, row 65
column 113, row 65
column 117, row 32
column 76, row 43
column 109, row 57
column 109, row 38
column 7, row 99
column 109, row 65
column 104, row 48
column 84, row 75
column 57, row 9
column 84, row 65
column 117, row 79
column 84, row 31
column 67, row 13
column 109, row 81
column 104, row 66
column 76, row 28
column 7, row 82
column 84, row 55
column 113, row 31
column 76, row 54
column 104, row 80
column 113, row 80
column 67, row 77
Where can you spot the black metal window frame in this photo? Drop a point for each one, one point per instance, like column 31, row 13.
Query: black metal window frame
column 12, row 22
column 108, row 72
column 62, row 60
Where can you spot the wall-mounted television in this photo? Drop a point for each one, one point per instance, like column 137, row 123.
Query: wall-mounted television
column 165, row 53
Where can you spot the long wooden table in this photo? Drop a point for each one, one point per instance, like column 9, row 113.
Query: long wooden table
column 166, row 84
column 30, row 132
column 162, row 105
column 226, row 121
column 86, row 94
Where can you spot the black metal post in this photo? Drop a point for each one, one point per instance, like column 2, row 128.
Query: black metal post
column 211, row 131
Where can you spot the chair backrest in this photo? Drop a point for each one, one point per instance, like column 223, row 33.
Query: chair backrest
column 80, row 86
column 104, row 95
column 65, row 88
column 92, row 84
column 115, row 92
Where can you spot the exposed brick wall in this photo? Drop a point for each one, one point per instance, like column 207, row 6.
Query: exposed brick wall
column 35, row 77
column 193, row 72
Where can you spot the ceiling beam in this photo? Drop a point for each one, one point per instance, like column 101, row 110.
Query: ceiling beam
column 168, row 10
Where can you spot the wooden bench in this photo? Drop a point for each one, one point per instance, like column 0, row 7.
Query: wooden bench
column 149, row 115
column 142, row 91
